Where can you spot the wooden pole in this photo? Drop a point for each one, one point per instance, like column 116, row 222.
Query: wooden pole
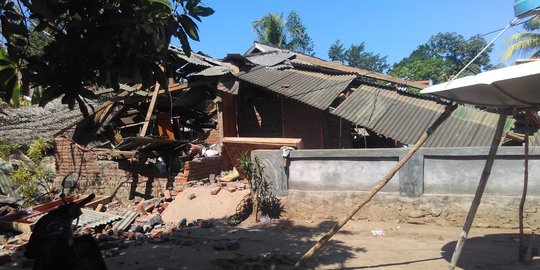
column 448, row 111
column 521, row 250
column 480, row 190
column 150, row 110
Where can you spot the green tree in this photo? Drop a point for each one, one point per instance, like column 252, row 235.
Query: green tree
column 336, row 52
column 356, row 56
column 299, row 40
column 443, row 56
column 270, row 30
column 524, row 44
column 289, row 34
column 95, row 43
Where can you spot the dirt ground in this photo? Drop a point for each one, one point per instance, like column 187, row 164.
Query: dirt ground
column 403, row 246
column 277, row 244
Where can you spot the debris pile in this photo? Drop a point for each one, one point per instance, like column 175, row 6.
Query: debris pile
column 169, row 218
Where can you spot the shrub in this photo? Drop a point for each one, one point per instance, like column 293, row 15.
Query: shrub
column 261, row 189
column 7, row 149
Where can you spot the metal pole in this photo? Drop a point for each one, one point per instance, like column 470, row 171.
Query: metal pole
column 480, row 190
column 525, row 187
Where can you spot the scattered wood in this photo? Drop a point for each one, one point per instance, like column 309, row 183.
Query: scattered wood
column 99, row 207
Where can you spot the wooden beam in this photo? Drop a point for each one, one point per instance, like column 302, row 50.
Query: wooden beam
column 480, row 190
column 150, row 110
column 448, row 111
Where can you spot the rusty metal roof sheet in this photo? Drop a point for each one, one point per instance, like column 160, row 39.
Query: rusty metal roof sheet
column 404, row 117
column 315, row 89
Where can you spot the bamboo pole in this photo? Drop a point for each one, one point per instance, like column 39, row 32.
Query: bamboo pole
column 448, row 111
column 480, row 190
column 521, row 250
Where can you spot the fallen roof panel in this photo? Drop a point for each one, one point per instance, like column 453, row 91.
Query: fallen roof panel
column 315, row 89
column 405, row 117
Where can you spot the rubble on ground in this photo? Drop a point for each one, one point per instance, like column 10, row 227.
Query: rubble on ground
column 141, row 222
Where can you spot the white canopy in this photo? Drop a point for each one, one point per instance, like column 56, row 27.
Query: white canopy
column 510, row 87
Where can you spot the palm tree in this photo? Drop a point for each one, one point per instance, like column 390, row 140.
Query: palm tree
column 525, row 44
column 271, row 30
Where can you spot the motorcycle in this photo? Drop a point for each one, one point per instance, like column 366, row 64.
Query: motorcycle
column 53, row 245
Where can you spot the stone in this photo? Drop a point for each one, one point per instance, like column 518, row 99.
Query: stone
column 182, row 223
column 215, row 191
column 436, row 212
column 204, row 224
column 191, row 196
column 417, row 214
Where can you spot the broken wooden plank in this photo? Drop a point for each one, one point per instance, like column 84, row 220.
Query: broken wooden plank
column 150, row 110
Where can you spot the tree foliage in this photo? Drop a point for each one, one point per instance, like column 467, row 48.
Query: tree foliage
column 524, row 44
column 336, row 52
column 443, row 56
column 95, row 43
column 356, row 56
column 273, row 29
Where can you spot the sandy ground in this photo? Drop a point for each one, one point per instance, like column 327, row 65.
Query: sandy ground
column 404, row 246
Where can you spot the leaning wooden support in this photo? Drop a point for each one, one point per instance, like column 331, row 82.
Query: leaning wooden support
column 448, row 111
column 480, row 190
column 150, row 110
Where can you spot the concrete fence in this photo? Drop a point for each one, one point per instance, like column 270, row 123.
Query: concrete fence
column 444, row 178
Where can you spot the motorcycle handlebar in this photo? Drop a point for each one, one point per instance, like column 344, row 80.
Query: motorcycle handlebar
column 87, row 200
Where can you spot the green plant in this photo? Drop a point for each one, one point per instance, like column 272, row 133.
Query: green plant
column 37, row 149
column 35, row 182
column 34, row 186
column 7, row 149
column 261, row 189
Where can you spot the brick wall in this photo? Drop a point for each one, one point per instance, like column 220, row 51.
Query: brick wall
column 303, row 121
column 259, row 113
column 201, row 168
column 123, row 179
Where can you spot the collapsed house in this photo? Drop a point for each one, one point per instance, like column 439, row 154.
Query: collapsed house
column 279, row 93
column 138, row 141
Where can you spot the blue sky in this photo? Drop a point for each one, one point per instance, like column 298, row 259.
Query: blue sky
column 387, row 27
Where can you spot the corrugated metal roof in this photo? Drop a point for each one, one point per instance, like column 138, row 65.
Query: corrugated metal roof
column 127, row 218
column 8, row 187
column 270, row 58
column 315, row 89
column 88, row 219
column 405, row 117
column 195, row 59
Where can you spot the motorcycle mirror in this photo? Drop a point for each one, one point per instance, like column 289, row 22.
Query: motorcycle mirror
column 69, row 180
